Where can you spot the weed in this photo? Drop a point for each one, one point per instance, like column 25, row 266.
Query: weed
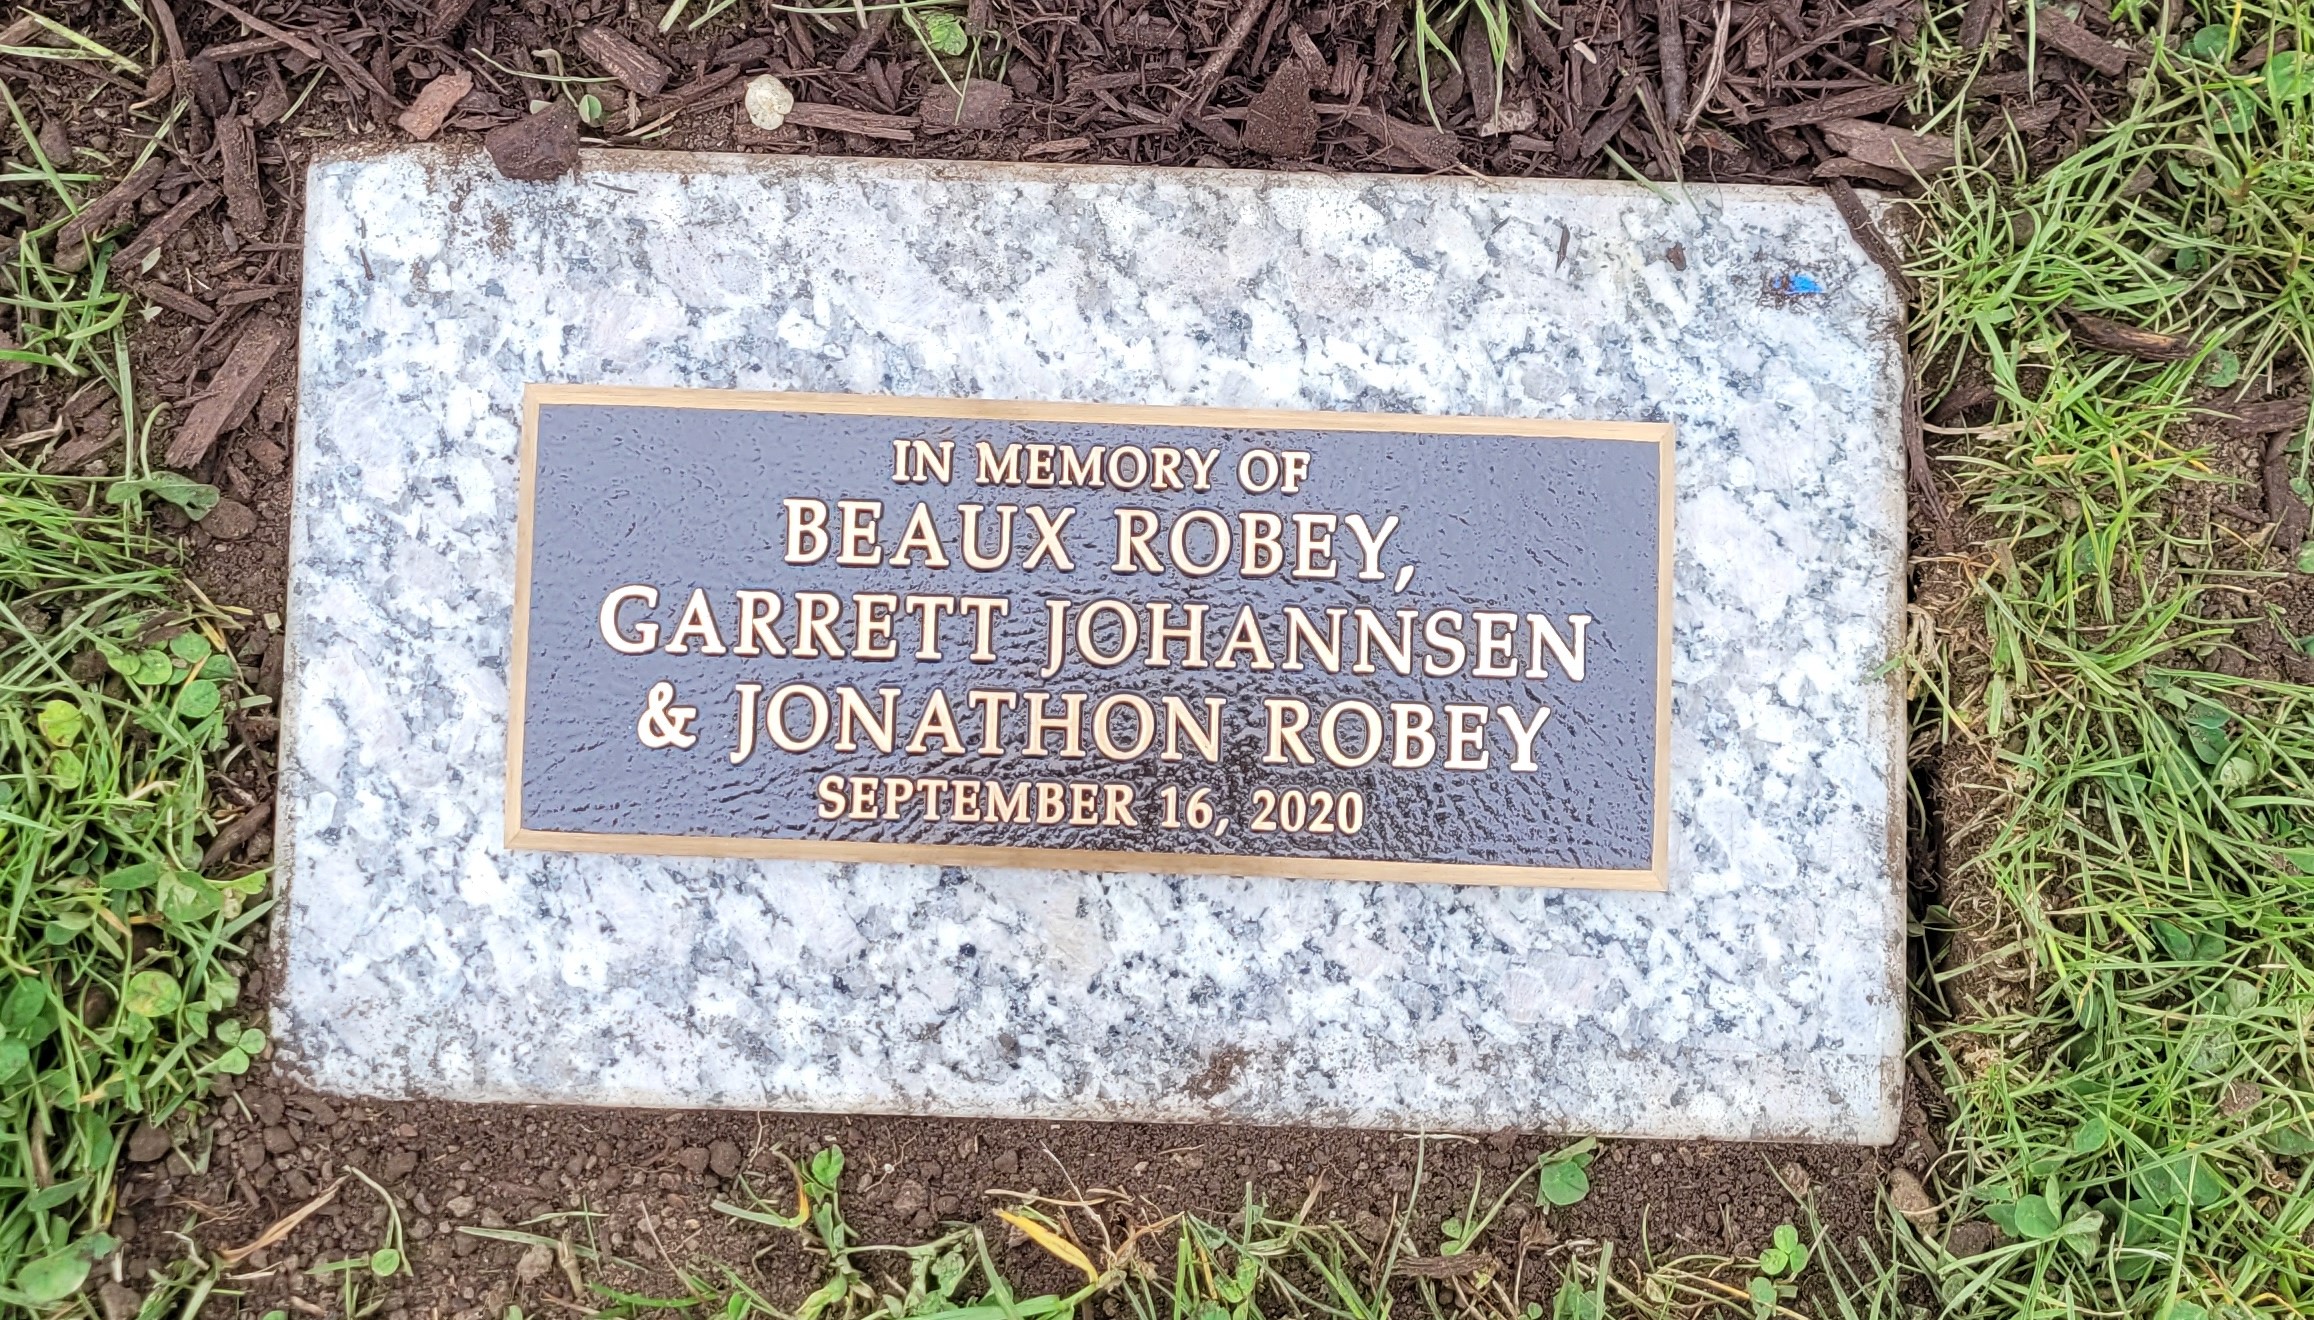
column 117, row 975
column 1563, row 1177
column 356, row 1273
column 1776, row 1272
column 2133, row 1117
column 111, row 700
column 1432, row 21
column 952, row 1277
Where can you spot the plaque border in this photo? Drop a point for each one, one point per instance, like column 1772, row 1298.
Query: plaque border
column 1655, row 877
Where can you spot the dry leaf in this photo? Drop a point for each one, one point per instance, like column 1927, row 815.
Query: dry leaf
column 1060, row 1247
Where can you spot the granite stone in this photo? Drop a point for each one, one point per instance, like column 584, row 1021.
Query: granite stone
column 1761, row 997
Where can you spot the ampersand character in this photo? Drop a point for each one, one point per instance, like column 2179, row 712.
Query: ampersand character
column 663, row 724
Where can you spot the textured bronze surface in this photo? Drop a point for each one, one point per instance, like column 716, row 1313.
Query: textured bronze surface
column 1537, row 547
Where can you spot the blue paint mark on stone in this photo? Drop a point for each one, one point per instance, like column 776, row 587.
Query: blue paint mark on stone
column 1798, row 284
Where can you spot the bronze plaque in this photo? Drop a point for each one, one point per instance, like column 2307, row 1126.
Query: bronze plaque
column 1350, row 646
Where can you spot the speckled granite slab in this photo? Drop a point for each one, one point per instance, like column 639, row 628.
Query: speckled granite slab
column 1761, row 997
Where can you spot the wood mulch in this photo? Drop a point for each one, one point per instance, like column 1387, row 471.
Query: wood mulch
column 1789, row 92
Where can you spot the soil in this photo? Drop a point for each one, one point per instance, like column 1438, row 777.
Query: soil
column 1791, row 91
column 652, row 1179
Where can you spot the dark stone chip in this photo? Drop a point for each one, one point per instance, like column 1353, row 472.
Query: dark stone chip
column 537, row 147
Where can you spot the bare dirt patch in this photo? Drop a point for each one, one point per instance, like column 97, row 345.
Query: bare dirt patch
column 652, row 1178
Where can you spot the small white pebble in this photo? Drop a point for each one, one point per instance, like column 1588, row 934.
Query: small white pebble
column 768, row 101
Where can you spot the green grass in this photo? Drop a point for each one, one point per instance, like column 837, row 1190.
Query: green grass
column 116, row 988
column 2132, row 1099
column 1431, row 20
column 117, row 1002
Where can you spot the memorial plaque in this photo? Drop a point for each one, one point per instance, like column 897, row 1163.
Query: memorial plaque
column 1341, row 645
column 521, row 402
